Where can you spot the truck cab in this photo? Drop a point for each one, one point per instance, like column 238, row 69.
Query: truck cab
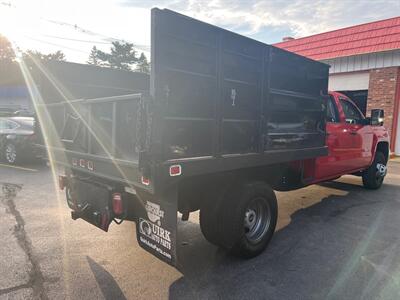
column 353, row 141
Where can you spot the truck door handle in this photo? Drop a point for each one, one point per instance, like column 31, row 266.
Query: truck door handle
column 353, row 132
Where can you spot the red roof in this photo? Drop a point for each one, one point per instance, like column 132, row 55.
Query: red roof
column 360, row 39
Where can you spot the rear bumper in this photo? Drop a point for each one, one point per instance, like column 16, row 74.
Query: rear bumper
column 89, row 201
column 155, row 217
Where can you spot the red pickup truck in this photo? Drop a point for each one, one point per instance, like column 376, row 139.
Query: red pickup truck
column 357, row 145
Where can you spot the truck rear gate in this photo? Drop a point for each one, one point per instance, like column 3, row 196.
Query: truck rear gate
column 218, row 102
column 102, row 130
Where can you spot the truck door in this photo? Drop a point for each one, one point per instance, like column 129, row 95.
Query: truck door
column 361, row 133
column 339, row 142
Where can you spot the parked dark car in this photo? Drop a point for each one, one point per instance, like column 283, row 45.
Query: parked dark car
column 17, row 139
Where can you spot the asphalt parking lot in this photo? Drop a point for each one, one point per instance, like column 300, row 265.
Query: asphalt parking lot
column 333, row 241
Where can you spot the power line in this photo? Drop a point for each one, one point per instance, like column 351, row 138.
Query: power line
column 106, row 39
column 145, row 48
column 54, row 44
column 81, row 29
column 109, row 39
column 76, row 40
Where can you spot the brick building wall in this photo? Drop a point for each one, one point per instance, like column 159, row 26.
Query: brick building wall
column 382, row 94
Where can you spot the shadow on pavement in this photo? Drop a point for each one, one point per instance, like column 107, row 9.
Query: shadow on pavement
column 340, row 247
column 106, row 281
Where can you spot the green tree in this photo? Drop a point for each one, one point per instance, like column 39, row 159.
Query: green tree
column 58, row 55
column 142, row 64
column 10, row 72
column 93, row 57
column 7, row 53
column 122, row 56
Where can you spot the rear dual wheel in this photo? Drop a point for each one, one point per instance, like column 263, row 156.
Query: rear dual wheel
column 243, row 220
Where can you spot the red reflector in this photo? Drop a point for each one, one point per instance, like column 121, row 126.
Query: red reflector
column 117, row 203
column 175, row 170
column 62, row 182
column 145, row 180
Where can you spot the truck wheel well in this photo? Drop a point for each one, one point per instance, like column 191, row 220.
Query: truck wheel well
column 194, row 191
column 384, row 148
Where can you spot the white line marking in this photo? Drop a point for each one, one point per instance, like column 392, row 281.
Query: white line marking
column 18, row 168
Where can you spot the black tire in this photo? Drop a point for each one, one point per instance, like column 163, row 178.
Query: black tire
column 237, row 237
column 10, row 154
column 210, row 216
column 373, row 176
column 223, row 222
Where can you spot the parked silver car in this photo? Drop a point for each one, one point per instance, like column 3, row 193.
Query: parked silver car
column 18, row 136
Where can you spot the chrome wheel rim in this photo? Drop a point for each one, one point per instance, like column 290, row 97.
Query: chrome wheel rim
column 381, row 171
column 257, row 219
column 69, row 197
column 11, row 153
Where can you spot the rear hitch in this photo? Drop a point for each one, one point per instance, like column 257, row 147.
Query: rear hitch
column 101, row 220
column 78, row 214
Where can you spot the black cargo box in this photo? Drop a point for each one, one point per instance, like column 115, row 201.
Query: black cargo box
column 218, row 101
column 226, row 101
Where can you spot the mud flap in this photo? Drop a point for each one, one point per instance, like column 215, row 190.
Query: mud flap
column 156, row 226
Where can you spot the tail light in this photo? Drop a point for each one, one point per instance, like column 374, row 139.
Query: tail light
column 62, row 181
column 145, row 180
column 175, row 170
column 117, row 204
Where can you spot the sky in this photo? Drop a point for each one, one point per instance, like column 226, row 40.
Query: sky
column 75, row 26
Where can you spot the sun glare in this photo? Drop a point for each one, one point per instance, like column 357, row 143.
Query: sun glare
column 14, row 23
column 21, row 21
